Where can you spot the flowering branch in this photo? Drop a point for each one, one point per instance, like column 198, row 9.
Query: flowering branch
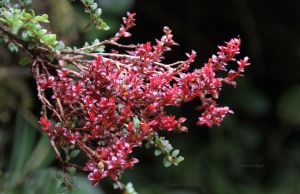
column 119, row 99
column 107, row 103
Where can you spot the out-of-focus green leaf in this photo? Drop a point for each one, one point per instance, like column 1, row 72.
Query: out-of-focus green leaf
column 42, row 181
column 83, row 186
column 24, row 138
column 12, row 91
column 24, row 61
column 130, row 189
column 166, row 162
column 289, row 106
column 249, row 99
column 42, row 155
column 12, row 47
column 74, row 153
column 71, row 171
column 157, row 152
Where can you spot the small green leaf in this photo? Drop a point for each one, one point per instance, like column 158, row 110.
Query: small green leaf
column 158, row 141
column 71, row 171
column 166, row 162
column 175, row 153
column 120, row 106
column 169, row 147
column 27, row 16
column 51, row 58
column 104, row 26
column 179, row 159
column 100, row 49
column 157, row 152
column 96, row 41
column 86, row 44
column 74, row 153
column 42, row 18
column 12, row 47
column 25, row 35
column 49, row 38
column 93, row 6
column 136, row 122
column 30, row 46
column 98, row 12
column 148, row 145
column 60, row 45
column 130, row 189
column 28, row 2
column 24, row 61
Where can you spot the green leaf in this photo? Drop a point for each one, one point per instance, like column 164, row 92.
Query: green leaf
column 169, row 147
column 25, row 61
column 158, row 141
column 60, row 45
column 49, row 38
column 42, row 18
column 74, row 153
column 100, row 49
column 175, row 153
column 84, row 186
column 88, row 1
column 2, row 42
column 41, row 181
column 23, row 142
column 12, row 47
column 148, row 145
column 157, row 152
column 26, row 16
column 179, row 159
column 288, row 106
column 71, row 171
column 130, row 189
column 31, row 46
column 41, row 156
column 93, row 6
column 51, row 58
column 136, row 122
column 167, row 163
column 24, row 138
column 120, row 106
column 104, row 26
column 28, row 2
column 96, row 41
column 25, row 35
column 98, row 12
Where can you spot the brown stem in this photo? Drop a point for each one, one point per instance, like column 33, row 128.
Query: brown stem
column 90, row 153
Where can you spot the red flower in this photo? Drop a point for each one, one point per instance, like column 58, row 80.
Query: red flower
column 46, row 124
column 145, row 127
column 213, row 115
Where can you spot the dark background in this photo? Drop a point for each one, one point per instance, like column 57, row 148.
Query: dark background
column 255, row 151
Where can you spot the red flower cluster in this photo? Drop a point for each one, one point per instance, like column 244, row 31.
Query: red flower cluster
column 114, row 160
column 115, row 102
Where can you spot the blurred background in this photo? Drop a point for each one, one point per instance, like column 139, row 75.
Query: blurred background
column 255, row 151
